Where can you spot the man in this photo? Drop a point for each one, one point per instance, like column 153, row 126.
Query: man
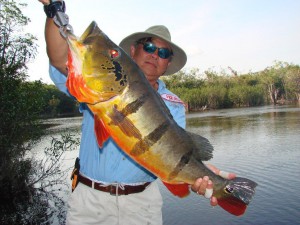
column 112, row 188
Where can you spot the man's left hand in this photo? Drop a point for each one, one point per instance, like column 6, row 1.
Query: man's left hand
column 204, row 186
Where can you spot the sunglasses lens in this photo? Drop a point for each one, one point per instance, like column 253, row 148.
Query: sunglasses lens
column 149, row 47
column 163, row 53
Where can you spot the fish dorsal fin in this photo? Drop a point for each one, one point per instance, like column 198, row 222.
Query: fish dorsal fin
column 203, row 150
column 100, row 131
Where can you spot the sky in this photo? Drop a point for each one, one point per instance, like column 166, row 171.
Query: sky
column 246, row 35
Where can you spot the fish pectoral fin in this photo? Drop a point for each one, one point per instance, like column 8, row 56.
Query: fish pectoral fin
column 179, row 190
column 204, row 149
column 100, row 131
column 121, row 120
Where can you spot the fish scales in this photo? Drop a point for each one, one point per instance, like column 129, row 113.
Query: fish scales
column 130, row 111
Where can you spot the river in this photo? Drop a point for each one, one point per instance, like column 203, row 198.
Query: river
column 260, row 143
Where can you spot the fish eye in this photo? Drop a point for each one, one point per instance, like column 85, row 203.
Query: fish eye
column 114, row 53
column 228, row 189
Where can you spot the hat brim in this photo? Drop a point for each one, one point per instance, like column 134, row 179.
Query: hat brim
column 179, row 57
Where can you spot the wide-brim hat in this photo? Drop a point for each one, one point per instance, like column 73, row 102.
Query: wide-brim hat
column 179, row 57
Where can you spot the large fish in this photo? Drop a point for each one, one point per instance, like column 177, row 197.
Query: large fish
column 130, row 111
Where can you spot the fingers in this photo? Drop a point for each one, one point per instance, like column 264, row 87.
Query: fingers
column 208, row 190
column 200, row 185
column 221, row 173
column 213, row 201
column 45, row 2
column 213, row 168
column 204, row 186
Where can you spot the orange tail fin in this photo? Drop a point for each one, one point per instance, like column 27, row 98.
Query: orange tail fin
column 239, row 195
column 233, row 205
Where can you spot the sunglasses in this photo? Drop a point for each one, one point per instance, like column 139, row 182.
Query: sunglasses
column 163, row 53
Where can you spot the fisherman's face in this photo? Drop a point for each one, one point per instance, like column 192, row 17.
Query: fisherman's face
column 150, row 63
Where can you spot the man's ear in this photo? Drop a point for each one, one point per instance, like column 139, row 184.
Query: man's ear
column 169, row 63
column 132, row 50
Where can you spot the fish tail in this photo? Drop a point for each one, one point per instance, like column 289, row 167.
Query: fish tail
column 236, row 196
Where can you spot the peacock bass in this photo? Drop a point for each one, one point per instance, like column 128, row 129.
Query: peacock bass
column 127, row 109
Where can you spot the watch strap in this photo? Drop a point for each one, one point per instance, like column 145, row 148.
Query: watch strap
column 54, row 7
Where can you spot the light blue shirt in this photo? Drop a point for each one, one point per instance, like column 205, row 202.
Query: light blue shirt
column 109, row 164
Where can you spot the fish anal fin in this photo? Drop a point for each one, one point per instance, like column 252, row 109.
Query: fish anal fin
column 100, row 131
column 204, row 149
column 179, row 190
column 232, row 205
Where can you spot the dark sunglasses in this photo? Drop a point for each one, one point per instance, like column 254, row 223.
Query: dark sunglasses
column 149, row 47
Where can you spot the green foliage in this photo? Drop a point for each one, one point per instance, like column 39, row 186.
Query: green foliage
column 292, row 82
column 26, row 184
column 212, row 90
column 246, row 96
column 16, row 47
column 19, row 100
column 58, row 104
column 21, row 104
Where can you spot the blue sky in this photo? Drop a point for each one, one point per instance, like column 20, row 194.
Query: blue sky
column 247, row 35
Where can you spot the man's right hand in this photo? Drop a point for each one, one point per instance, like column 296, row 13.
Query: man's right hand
column 57, row 47
column 45, row 2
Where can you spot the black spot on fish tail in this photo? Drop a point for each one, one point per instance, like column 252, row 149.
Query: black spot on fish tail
column 143, row 145
column 181, row 164
column 241, row 188
column 127, row 127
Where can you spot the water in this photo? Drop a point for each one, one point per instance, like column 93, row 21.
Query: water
column 260, row 143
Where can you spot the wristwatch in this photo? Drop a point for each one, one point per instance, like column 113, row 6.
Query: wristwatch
column 54, row 7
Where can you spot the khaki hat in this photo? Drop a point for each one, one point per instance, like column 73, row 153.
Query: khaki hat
column 159, row 31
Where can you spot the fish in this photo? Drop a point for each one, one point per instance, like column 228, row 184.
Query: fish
column 127, row 109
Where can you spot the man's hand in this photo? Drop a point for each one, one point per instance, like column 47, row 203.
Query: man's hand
column 45, row 2
column 204, row 186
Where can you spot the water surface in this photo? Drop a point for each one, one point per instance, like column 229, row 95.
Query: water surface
column 260, row 143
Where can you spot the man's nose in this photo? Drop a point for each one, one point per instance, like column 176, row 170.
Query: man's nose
column 155, row 54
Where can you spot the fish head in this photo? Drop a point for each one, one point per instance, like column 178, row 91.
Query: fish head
column 96, row 69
